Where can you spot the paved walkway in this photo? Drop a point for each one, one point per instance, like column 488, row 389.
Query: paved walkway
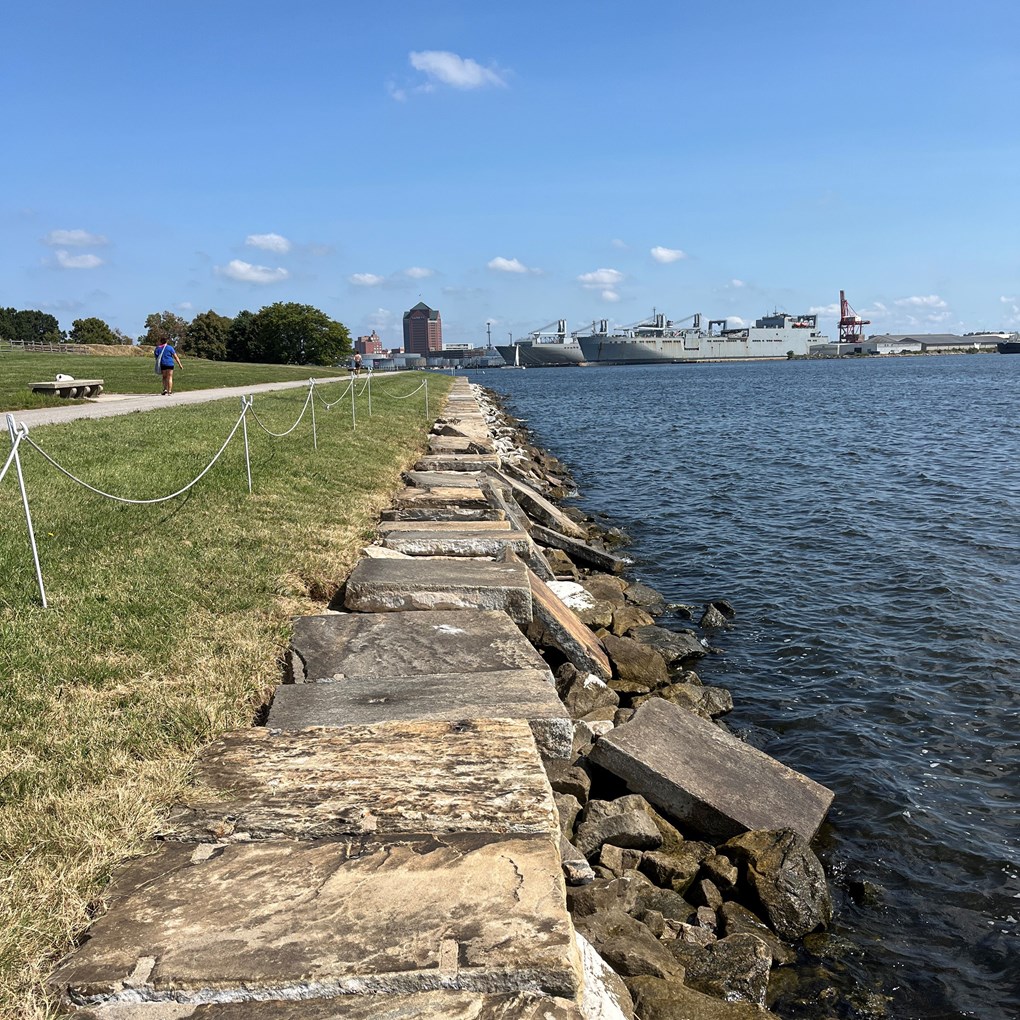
column 112, row 404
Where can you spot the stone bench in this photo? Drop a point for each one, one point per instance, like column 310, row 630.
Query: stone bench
column 70, row 388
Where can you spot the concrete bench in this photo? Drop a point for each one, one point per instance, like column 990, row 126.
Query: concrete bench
column 70, row 388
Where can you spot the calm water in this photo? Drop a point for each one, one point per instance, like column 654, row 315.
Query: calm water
column 863, row 518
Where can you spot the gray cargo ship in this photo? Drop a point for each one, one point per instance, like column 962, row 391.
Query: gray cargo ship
column 658, row 341
column 544, row 348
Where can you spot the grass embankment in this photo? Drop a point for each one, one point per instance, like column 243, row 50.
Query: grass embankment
column 165, row 628
column 132, row 375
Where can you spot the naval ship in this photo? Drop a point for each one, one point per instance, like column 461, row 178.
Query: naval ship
column 660, row 341
column 543, row 348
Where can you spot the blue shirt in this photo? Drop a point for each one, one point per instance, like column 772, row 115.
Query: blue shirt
column 166, row 356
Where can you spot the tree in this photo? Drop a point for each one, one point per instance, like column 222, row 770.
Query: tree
column 165, row 328
column 29, row 326
column 291, row 334
column 242, row 343
column 92, row 331
column 208, row 335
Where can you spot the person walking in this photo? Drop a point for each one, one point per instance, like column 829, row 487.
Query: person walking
column 166, row 355
column 357, row 362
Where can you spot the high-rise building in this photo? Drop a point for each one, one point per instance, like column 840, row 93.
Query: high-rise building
column 423, row 330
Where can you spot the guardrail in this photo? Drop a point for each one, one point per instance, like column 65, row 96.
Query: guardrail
column 37, row 347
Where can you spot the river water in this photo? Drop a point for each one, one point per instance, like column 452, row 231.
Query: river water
column 862, row 516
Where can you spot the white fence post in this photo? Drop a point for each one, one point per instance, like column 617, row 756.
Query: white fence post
column 15, row 440
column 311, row 397
column 427, row 415
column 370, row 393
column 246, row 403
column 354, row 417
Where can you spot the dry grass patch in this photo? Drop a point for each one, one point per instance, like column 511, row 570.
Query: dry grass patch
column 167, row 627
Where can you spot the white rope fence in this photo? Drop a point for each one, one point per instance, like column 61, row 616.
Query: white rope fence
column 19, row 434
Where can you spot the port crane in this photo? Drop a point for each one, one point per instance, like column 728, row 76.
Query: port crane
column 851, row 325
column 559, row 333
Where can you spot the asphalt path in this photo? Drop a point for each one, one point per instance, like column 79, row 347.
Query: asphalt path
column 109, row 405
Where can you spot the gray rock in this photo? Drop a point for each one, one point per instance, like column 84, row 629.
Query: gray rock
column 638, row 594
column 677, row 868
column 694, row 934
column 568, row 808
column 706, row 917
column 707, row 702
column 631, row 829
column 711, row 618
column 735, row 968
column 635, row 662
column 705, row 894
column 627, row 618
column 627, row 945
column 608, row 893
column 725, row 607
column 707, row 778
column 619, row 859
column 721, row 871
column 570, row 779
column 673, row 645
column 671, row 999
column 583, row 693
column 780, row 869
column 735, row 919
column 576, row 869
column 606, row 587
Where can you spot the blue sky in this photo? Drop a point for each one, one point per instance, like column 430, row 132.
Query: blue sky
column 513, row 163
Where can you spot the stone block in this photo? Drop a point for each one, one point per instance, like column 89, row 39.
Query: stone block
column 394, row 777
column 285, row 919
column 338, row 646
column 445, row 496
column 526, row 694
column 707, row 778
column 580, row 551
column 563, row 630
column 451, row 514
column 540, row 508
column 444, row 479
column 392, row 585
column 457, row 462
column 386, row 526
column 434, row 542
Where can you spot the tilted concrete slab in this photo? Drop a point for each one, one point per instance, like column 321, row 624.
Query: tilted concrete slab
column 432, row 542
column 279, row 918
column 458, row 462
column 379, row 586
column 580, row 551
column 701, row 775
column 540, row 508
column 339, row 646
column 385, row 527
column 459, row 444
column 446, row 496
column 444, row 479
column 565, row 631
column 526, row 694
column 393, row 777
column 439, row 1005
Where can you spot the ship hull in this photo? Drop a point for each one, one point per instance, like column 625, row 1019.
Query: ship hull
column 533, row 355
column 608, row 350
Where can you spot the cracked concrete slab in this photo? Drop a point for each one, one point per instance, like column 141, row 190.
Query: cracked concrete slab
column 337, row 646
column 283, row 919
column 393, row 585
column 527, row 694
column 435, row 542
column 458, row 462
column 562, row 628
column 444, row 496
column 393, row 777
column 425, row 525
column 439, row 1005
column 433, row 480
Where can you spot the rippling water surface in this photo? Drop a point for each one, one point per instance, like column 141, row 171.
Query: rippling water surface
column 864, row 518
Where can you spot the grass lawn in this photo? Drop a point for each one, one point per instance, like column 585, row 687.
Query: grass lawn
column 166, row 625
column 131, row 374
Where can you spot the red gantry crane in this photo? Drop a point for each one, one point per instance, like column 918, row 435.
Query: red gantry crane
column 851, row 325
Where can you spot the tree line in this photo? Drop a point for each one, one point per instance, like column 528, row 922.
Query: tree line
column 285, row 333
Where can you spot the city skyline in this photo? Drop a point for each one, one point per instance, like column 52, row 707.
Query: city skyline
column 514, row 167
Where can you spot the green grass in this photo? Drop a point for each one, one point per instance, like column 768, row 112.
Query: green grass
column 166, row 626
column 131, row 374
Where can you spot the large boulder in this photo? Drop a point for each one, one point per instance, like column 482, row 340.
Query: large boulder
column 638, row 594
column 625, row 826
column 567, row 778
column 674, row 645
column 670, row 999
column 708, row 702
column 583, row 693
column 677, row 868
column 627, row 945
column 627, row 618
column 606, row 587
column 603, row 994
column 735, row 919
column 635, row 663
column 785, row 877
column 735, row 968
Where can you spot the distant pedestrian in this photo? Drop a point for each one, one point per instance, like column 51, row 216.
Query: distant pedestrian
column 165, row 358
column 357, row 362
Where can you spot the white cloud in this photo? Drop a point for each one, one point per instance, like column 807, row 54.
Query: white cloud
column 68, row 261
column 365, row 279
column 419, row 272
column 185, row 306
column 610, row 295
column 74, row 239
column 622, row 245
column 245, row 272
column 1007, row 300
column 268, row 242
column 737, row 284
column 502, row 265
column 383, row 321
column 667, row 255
column 397, row 93
column 832, row 309
column 928, row 301
column 450, row 69
column 735, row 322
column 601, row 278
